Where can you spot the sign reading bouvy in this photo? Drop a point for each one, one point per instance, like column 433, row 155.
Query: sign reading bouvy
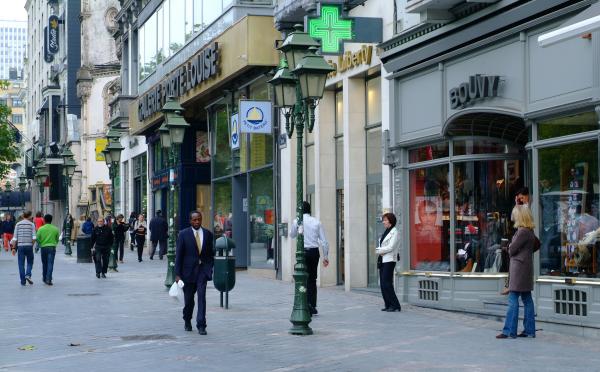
column 200, row 68
column 479, row 87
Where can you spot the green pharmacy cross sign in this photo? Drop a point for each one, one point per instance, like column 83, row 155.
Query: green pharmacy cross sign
column 333, row 28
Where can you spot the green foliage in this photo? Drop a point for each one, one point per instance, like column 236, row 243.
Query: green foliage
column 9, row 152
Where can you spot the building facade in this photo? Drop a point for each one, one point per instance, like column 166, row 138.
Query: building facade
column 52, row 105
column 218, row 55
column 478, row 110
column 13, row 44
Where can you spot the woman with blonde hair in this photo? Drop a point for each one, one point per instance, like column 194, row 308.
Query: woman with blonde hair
column 520, row 251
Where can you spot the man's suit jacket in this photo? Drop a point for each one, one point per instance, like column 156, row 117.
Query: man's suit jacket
column 190, row 266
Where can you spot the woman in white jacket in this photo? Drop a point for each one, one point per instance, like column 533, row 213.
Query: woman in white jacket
column 386, row 262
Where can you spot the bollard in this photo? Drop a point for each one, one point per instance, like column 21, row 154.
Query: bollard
column 224, row 275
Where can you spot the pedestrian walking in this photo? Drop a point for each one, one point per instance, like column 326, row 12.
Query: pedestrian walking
column 22, row 242
column 8, row 229
column 520, row 251
column 132, row 220
column 47, row 238
column 77, row 228
column 387, row 255
column 102, row 240
column 314, row 237
column 38, row 221
column 194, row 260
column 68, row 225
column 2, row 219
column 141, row 229
column 88, row 226
column 120, row 231
column 159, row 232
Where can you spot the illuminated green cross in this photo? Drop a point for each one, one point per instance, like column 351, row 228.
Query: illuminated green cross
column 331, row 29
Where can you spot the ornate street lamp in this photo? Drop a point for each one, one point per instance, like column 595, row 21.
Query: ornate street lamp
column 7, row 186
column 41, row 174
column 69, row 166
column 298, row 100
column 176, row 127
column 112, row 157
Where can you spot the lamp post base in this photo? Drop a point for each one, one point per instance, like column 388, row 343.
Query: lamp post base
column 170, row 279
column 300, row 317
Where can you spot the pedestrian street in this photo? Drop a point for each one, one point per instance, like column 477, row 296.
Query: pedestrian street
column 127, row 322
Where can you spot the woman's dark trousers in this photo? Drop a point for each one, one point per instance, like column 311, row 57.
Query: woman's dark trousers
column 386, row 281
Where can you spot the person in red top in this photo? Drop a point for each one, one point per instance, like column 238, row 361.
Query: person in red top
column 38, row 221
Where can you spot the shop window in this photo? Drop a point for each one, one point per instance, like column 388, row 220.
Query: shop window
column 339, row 160
column 569, row 209
column 566, row 125
column 261, row 150
column 484, row 196
column 222, row 151
column 472, row 147
column 339, row 112
column 429, row 152
column 189, row 19
column 262, row 227
column 374, row 101
column 429, row 219
column 222, row 223
column 177, row 27
column 374, row 155
column 374, row 230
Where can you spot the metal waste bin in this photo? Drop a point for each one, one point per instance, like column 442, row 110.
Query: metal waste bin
column 84, row 249
column 224, row 275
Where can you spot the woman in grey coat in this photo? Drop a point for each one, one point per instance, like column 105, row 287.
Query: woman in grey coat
column 520, row 252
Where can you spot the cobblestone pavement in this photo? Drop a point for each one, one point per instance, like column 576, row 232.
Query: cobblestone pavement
column 127, row 322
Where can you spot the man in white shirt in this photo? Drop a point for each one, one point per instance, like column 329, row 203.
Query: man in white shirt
column 314, row 237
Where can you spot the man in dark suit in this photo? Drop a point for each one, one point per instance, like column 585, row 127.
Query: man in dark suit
column 194, row 260
column 159, row 232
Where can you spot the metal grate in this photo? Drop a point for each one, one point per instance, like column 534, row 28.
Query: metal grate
column 570, row 301
column 428, row 290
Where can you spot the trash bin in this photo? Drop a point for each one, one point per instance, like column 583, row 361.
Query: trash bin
column 224, row 274
column 84, row 249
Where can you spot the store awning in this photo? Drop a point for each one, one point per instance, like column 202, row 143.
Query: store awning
column 583, row 23
column 487, row 124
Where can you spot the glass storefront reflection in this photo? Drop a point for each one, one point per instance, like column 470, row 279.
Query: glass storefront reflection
column 569, row 202
column 262, row 219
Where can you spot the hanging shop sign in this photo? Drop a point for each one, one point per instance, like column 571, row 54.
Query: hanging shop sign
column 53, row 34
column 234, row 132
column 333, row 28
column 351, row 60
column 479, row 87
column 255, row 116
column 200, row 68
column 48, row 57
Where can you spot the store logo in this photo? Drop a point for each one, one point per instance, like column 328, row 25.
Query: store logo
column 478, row 88
column 256, row 116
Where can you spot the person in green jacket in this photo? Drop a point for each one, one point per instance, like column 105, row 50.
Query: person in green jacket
column 47, row 238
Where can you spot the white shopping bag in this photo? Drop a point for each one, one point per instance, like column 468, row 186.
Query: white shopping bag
column 176, row 290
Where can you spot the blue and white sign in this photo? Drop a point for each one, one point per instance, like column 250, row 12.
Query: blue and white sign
column 255, row 116
column 234, row 132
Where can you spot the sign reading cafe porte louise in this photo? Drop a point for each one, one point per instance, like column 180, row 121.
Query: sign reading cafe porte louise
column 200, row 68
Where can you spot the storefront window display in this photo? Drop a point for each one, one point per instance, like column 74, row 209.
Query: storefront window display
column 483, row 196
column 430, row 208
column 223, row 222
column 569, row 210
column 221, row 150
column 566, row 125
column 262, row 219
